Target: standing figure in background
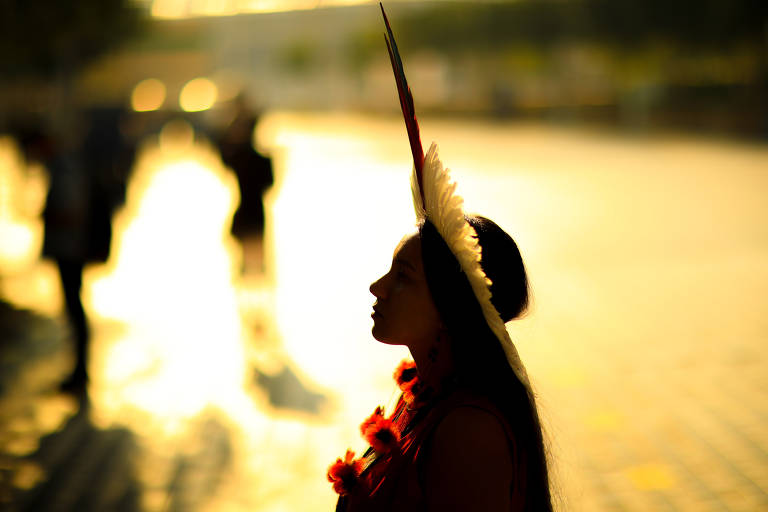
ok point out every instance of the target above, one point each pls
(254, 177)
(87, 183)
(66, 237)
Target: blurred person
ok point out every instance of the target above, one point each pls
(87, 183)
(254, 177)
(65, 221)
(465, 433)
(108, 154)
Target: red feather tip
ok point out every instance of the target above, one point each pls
(406, 102)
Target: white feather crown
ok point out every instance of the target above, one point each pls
(444, 208)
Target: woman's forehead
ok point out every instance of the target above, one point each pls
(409, 249)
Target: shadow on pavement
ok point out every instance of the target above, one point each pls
(285, 391)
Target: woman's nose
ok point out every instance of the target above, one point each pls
(377, 288)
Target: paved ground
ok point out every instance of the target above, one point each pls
(54, 457)
(661, 440)
(646, 342)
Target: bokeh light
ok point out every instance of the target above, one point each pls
(198, 94)
(148, 95)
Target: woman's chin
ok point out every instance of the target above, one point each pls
(382, 337)
(377, 335)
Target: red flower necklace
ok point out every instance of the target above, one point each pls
(344, 473)
(380, 432)
(407, 377)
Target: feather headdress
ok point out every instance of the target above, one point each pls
(435, 199)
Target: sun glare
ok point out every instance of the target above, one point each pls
(169, 281)
(22, 192)
(181, 352)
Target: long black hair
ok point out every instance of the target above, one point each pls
(480, 363)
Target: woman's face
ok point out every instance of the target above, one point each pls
(404, 313)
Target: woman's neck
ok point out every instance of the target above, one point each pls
(435, 365)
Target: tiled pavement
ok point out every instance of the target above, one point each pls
(648, 352)
(695, 447)
(683, 441)
(54, 457)
(671, 437)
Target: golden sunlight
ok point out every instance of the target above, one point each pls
(170, 9)
(178, 348)
(22, 193)
(645, 254)
(176, 137)
(169, 281)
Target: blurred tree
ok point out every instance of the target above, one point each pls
(684, 60)
(472, 28)
(46, 38)
(688, 23)
(299, 57)
(700, 23)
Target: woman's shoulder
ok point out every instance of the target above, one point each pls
(478, 431)
(469, 455)
(471, 422)
(471, 409)
(468, 427)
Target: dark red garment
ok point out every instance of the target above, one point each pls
(396, 481)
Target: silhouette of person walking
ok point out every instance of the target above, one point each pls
(254, 177)
(87, 184)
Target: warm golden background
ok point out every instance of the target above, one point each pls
(622, 143)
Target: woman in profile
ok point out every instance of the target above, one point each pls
(465, 433)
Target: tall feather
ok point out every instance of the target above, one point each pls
(406, 103)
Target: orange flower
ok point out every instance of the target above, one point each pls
(405, 373)
(381, 435)
(344, 473)
(378, 413)
(410, 391)
(407, 377)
